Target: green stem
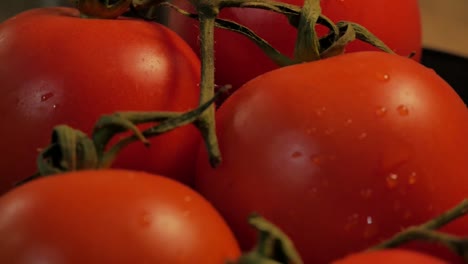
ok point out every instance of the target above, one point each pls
(206, 122)
(168, 124)
(307, 43)
(275, 55)
(273, 246)
(436, 223)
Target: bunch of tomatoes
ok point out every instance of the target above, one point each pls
(340, 153)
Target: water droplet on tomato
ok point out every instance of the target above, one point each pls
(382, 76)
(381, 111)
(348, 122)
(392, 180)
(369, 220)
(188, 198)
(412, 178)
(296, 154)
(46, 96)
(403, 110)
(55, 106)
(366, 193)
(362, 136)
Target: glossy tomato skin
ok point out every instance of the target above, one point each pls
(238, 59)
(58, 68)
(390, 256)
(111, 216)
(353, 147)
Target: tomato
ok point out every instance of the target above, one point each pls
(111, 216)
(58, 68)
(353, 147)
(238, 59)
(390, 256)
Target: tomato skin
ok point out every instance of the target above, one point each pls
(238, 59)
(57, 68)
(390, 256)
(111, 216)
(356, 147)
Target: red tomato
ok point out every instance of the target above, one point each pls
(391, 256)
(353, 147)
(111, 216)
(238, 59)
(58, 68)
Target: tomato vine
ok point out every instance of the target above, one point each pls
(71, 149)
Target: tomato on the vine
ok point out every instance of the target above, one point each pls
(238, 59)
(111, 216)
(390, 256)
(340, 153)
(56, 67)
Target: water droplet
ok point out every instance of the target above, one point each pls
(46, 96)
(362, 136)
(55, 106)
(188, 198)
(382, 76)
(348, 122)
(319, 112)
(392, 180)
(366, 193)
(381, 111)
(412, 178)
(403, 110)
(369, 220)
(296, 154)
